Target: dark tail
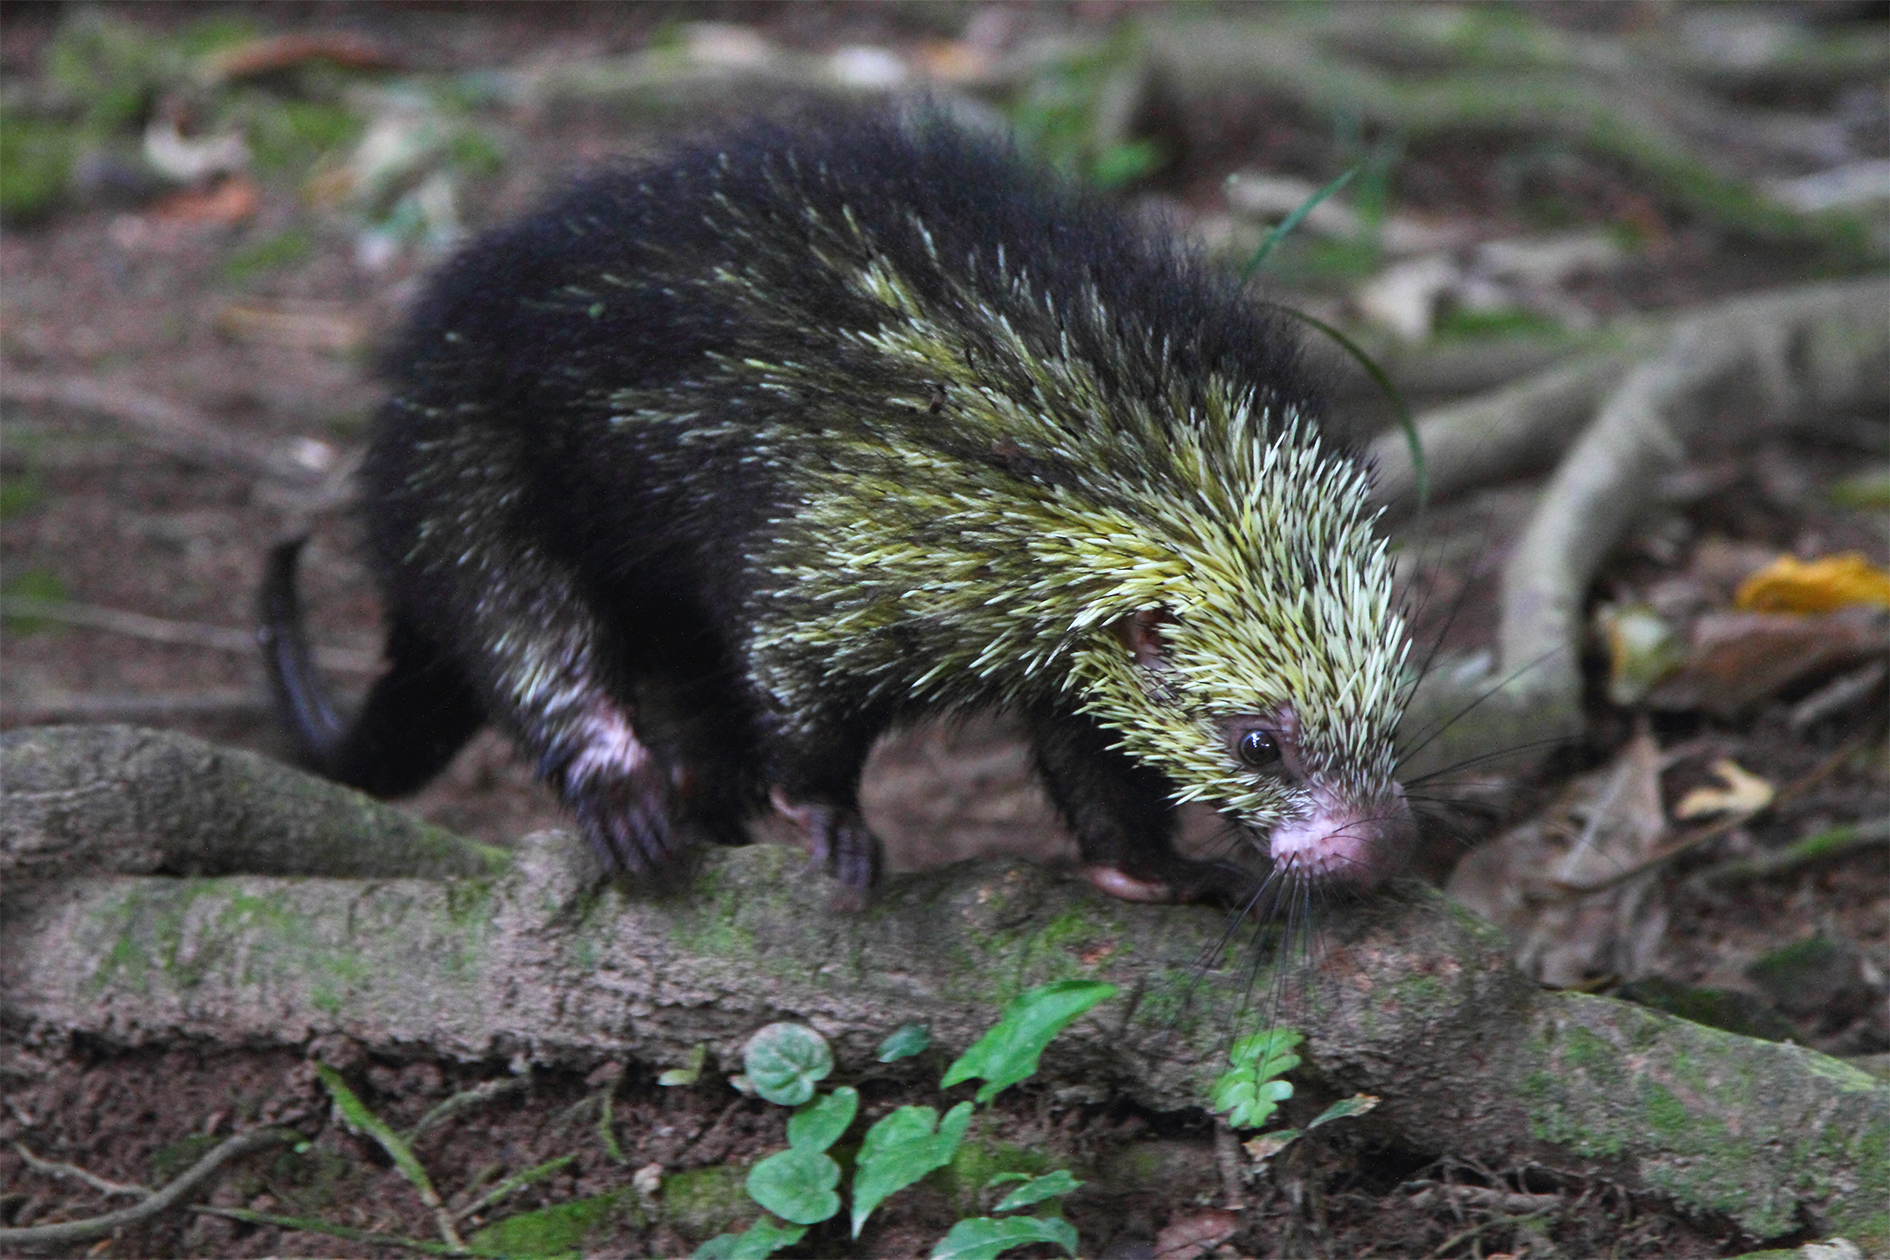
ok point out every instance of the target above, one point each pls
(416, 717)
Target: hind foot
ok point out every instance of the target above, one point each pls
(1177, 882)
(840, 844)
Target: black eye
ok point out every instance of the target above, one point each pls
(1258, 749)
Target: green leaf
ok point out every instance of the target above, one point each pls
(757, 1242)
(1122, 164)
(1248, 1092)
(689, 1073)
(1008, 1053)
(902, 1148)
(356, 1113)
(819, 1124)
(796, 1185)
(983, 1237)
(1037, 1189)
(1269, 1053)
(786, 1061)
(906, 1041)
(1292, 221)
(1356, 1105)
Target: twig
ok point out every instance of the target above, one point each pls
(517, 1181)
(158, 1202)
(164, 630)
(362, 1118)
(474, 1097)
(312, 1226)
(1451, 1244)
(176, 429)
(1830, 842)
(1228, 1156)
(58, 1168)
(156, 706)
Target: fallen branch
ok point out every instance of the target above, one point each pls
(72, 1172)
(1414, 1001)
(164, 630)
(175, 429)
(158, 707)
(1628, 116)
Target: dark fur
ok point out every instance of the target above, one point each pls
(510, 363)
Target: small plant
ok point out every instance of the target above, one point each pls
(1251, 1090)
(800, 1185)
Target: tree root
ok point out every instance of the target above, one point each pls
(158, 1202)
(1674, 138)
(123, 801)
(1413, 1000)
(1722, 376)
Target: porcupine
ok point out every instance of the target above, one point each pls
(703, 476)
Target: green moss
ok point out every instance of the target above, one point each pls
(703, 1202)
(716, 934)
(469, 900)
(33, 584)
(559, 1230)
(1665, 1113)
(1582, 1051)
(290, 136)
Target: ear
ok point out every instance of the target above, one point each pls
(1141, 633)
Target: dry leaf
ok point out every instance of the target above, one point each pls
(1741, 658)
(274, 53)
(1826, 584)
(231, 201)
(1743, 793)
(1192, 1236)
(1608, 822)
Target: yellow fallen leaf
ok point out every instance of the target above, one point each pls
(1743, 793)
(1789, 584)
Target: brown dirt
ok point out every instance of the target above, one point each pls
(128, 297)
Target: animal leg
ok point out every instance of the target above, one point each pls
(1123, 819)
(816, 777)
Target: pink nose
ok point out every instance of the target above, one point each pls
(1344, 842)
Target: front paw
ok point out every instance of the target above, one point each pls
(629, 820)
(624, 797)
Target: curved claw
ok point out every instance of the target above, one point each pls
(839, 841)
(624, 798)
(628, 823)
